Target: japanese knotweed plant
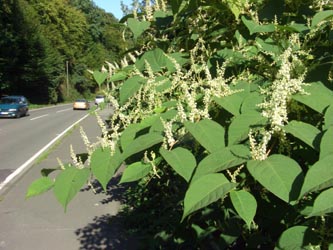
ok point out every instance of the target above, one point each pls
(216, 106)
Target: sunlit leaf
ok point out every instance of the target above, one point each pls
(103, 165)
(319, 176)
(318, 98)
(254, 27)
(231, 103)
(39, 186)
(240, 126)
(205, 191)
(181, 160)
(208, 133)
(305, 132)
(298, 237)
(321, 16)
(279, 174)
(68, 183)
(130, 87)
(326, 144)
(137, 27)
(328, 118)
(100, 77)
(245, 205)
(323, 204)
(135, 171)
(222, 159)
(141, 143)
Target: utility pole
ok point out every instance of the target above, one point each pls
(67, 81)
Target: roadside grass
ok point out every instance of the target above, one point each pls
(46, 154)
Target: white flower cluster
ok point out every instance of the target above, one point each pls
(259, 146)
(285, 85)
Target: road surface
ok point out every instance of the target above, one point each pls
(23, 140)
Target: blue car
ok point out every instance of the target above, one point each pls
(14, 106)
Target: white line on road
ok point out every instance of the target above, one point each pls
(28, 162)
(38, 117)
(63, 110)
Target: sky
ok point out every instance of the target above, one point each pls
(112, 6)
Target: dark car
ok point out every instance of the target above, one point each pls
(14, 106)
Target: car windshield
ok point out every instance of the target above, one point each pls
(8, 100)
(80, 100)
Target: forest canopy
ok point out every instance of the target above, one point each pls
(47, 47)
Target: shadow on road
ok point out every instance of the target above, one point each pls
(106, 231)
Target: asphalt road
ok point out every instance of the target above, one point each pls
(23, 139)
(91, 221)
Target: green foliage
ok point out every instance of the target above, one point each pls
(224, 123)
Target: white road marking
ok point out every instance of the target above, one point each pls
(34, 157)
(38, 117)
(63, 110)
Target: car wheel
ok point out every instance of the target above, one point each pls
(18, 115)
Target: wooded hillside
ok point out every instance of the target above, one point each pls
(40, 38)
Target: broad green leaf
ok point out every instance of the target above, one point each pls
(129, 88)
(137, 27)
(321, 16)
(103, 165)
(245, 205)
(250, 103)
(298, 237)
(253, 27)
(328, 118)
(118, 76)
(240, 126)
(129, 134)
(157, 59)
(268, 46)
(181, 160)
(68, 183)
(205, 191)
(208, 133)
(222, 159)
(323, 204)
(100, 77)
(231, 103)
(162, 83)
(135, 171)
(141, 143)
(319, 176)
(39, 186)
(326, 144)
(279, 174)
(319, 97)
(305, 132)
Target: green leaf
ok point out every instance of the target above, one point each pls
(319, 97)
(129, 134)
(326, 144)
(118, 76)
(158, 61)
(103, 165)
(231, 103)
(205, 191)
(250, 103)
(319, 176)
(298, 237)
(240, 126)
(245, 205)
(208, 133)
(68, 183)
(305, 132)
(279, 174)
(100, 77)
(181, 160)
(39, 186)
(321, 16)
(323, 204)
(141, 143)
(268, 46)
(222, 159)
(129, 88)
(253, 27)
(137, 27)
(135, 171)
(328, 118)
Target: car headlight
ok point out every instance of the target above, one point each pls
(12, 110)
